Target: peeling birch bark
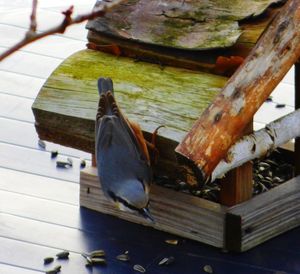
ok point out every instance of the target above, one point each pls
(223, 122)
(260, 143)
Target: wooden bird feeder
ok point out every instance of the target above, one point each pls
(169, 76)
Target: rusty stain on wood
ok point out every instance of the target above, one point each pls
(262, 70)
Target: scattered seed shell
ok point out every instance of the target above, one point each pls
(172, 242)
(62, 164)
(139, 268)
(123, 257)
(98, 261)
(48, 260)
(64, 255)
(82, 163)
(208, 269)
(167, 261)
(54, 154)
(280, 105)
(55, 270)
(97, 253)
(42, 144)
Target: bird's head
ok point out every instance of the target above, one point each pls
(133, 196)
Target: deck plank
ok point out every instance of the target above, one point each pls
(30, 64)
(36, 162)
(14, 129)
(15, 107)
(9, 269)
(20, 85)
(39, 186)
(53, 46)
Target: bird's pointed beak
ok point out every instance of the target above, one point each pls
(146, 214)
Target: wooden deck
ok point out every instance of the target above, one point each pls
(39, 203)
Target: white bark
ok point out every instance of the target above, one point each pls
(259, 143)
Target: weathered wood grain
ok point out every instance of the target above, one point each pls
(29, 139)
(263, 217)
(191, 59)
(187, 25)
(225, 119)
(36, 162)
(204, 221)
(65, 108)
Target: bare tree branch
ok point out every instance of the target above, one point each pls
(32, 35)
(33, 23)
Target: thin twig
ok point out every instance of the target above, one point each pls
(99, 10)
(33, 23)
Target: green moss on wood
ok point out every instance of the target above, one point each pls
(146, 93)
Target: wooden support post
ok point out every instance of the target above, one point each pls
(94, 163)
(224, 121)
(237, 186)
(297, 106)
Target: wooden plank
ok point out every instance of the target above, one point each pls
(251, 30)
(191, 25)
(268, 112)
(264, 216)
(36, 162)
(9, 269)
(39, 186)
(204, 221)
(47, 19)
(167, 97)
(231, 110)
(14, 129)
(52, 46)
(29, 257)
(30, 64)
(76, 241)
(15, 107)
(21, 85)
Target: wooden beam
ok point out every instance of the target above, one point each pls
(259, 143)
(173, 211)
(263, 217)
(297, 106)
(237, 185)
(224, 121)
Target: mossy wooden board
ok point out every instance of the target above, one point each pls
(65, 108)
(102, 39)
(180, 24)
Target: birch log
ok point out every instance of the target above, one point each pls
(260, 143)
(223, 122)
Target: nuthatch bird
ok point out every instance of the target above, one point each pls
(122, 156)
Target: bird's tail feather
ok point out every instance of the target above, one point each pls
(105, 85)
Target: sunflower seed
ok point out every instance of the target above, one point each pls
(139, 268)
(62, 164)
(48, 260)
(55, 270)
(208, 269)
(98, 261)
(123, 257)
(97, 253)
(172, 242)
(63, 255)
(167, 261)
